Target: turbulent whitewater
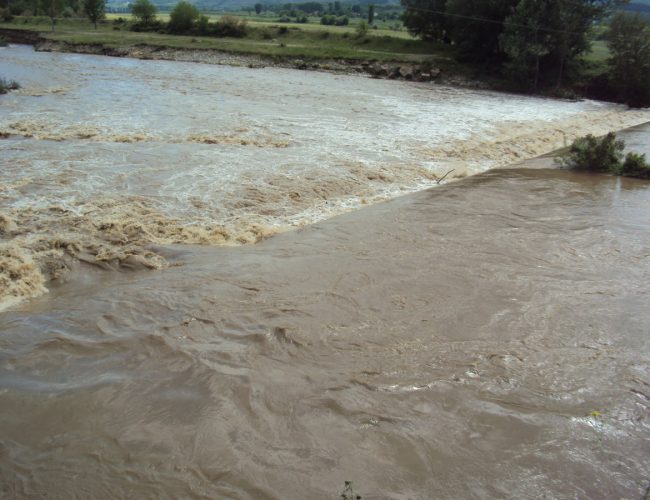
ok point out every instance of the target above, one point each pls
(101, 158)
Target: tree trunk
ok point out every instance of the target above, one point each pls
(560, 76)
(536, 64)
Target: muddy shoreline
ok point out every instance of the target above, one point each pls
(395, 70)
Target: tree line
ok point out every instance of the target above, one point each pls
(538, 44)
(94, 10)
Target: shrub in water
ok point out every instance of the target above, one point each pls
(7, 85)
(605, 155)
(635, 165)
(594, 154)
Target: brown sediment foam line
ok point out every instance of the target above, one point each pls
(97, 137)
(20, 276)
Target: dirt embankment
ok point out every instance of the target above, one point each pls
(21, 36)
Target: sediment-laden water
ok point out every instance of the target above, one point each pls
(102, 157)
(485, 338)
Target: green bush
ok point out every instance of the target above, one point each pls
(605, 155)
(183, 17)
(5, 15)
(144, 11)
(202, 26)
(332, 20)
(7, 85)
(635, 165)
(230, 26)
(151, 26)
(17, 7)
(594, 154)
(362, 29)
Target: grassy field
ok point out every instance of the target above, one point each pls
(265, 37)
(310, 41)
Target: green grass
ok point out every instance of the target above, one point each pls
(307, 41)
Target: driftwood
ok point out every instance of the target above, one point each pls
(443, 177)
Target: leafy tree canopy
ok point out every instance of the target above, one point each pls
(144, 11)
(95, 10)
(183, 16)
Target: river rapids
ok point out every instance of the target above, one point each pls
(214, 287)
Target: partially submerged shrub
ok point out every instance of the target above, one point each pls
(635, 165)
(605, 155)
(594, 154)
(7, 85)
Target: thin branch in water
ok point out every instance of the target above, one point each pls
(443, 177)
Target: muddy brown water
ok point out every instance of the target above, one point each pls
(102, 157)
(482, 339)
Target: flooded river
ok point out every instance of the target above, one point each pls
(484, 338)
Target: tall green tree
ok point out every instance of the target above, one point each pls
(95, 10)
(425, 18)
(475, 27)
(371, 13)
(572, 22)
(52, 9)
(183, 17)
(545, 38)
(526, 40)
(144, 11)
(629, 43)
(258, 8)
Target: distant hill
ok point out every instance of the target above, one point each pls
(641, 6)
